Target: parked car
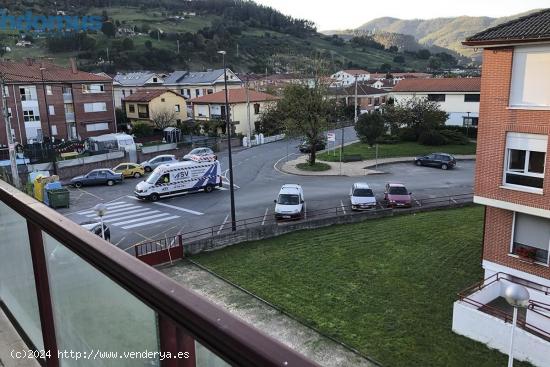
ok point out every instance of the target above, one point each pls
(290, 202)
(396, 195)
(441, 160)
(130, 170)
(200, 154)
(305, 146)
(100, 176)
(154, 162)
(95, 227)
(362, 197)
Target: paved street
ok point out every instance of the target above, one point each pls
(256, 186)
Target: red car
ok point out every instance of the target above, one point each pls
(396, 195)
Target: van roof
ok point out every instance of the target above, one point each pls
(290, 189)
(361, 185)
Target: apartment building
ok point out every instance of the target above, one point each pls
(46, 100)
(368, 98)
(459, 97)
(125, 84)
(511, 182)
(149, 105)
(193, 84)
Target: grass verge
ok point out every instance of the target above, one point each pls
(317, 167)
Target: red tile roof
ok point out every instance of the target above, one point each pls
(16, 72)
(439, 85)
(234, 96)
(147, 95)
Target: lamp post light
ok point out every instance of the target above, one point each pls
(100, 210)
(229, 129)
(518, 297)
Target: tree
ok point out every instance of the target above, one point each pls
(434, 63)
(400, 59)
(423, 54)
(148, 45)
(418, 114)
(385, 68)
(108, 28)
(370, 127)
(270, 122)
(127, 44)
(164, 118)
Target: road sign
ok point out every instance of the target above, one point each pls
(331, 136)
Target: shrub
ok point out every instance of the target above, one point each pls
(469, 132)
(142, 129)
(407, 134)
(432, 137)
(454, 137)
(388, 139)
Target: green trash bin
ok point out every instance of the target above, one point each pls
(59, 198)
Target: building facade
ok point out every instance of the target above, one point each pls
(459, 97)
(512, 161)
(126, 84)
(45, 100)
(149, 105)
(344, 78)
(193, 84)
(369, 98)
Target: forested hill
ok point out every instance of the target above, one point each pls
(170, 34)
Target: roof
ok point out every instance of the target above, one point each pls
(234, 96)
(196, 77)
(30, 72)
(355, 71)
(363, 89)
(534, 27)
(439, 85)
(147, 95)
(134, 79)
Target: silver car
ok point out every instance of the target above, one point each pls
(153, 163)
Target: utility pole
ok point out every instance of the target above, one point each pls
(178, 42)
(11, 144)
(355, 118)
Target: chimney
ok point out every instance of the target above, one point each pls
(74, 69)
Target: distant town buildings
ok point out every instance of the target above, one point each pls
(150, 105)
(369, 99)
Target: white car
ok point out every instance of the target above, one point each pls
(290, 203)
(362, 197)
(200, 154)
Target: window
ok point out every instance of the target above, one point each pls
(93, 88)
(54, 130)
(256, 108)
(95, 107)
(51, 110)
(436, 97)
(66, 90)
(370, 101)
(124, 93)
(197, 92)
(531, 237)
(9, 112)
(69, 108)
(530, 77)
(155, 80)
(49, 90)
(6, 91)
(177, 108)
(97, 126)
(131, 108)
(163, 100)
(27, 93)
(210, 91)
(471, 98)
(525, 161)
(30, 115)
(470, 121)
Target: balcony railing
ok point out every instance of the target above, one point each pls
(70, 291)
(67, 97)
(69, 116)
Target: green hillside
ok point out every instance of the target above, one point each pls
(257, 38)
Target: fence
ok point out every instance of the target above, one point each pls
(169, 248)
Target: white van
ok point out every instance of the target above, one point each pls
(290, 203)
(178, 178)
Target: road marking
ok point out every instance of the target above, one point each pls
(223, 224)
(92, 211)
(133, 211)
(454, 201)
(133, 197)
(89, 193)
(119, 206)
(343, 208)
(418, 202)
(228, 184)
(265, 216)
(180, 209)
(125, 215)
(223, 189)
(124, 221)
(119, 241)
(276, 163)
(151, 222)
(126, 209)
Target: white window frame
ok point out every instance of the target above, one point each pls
(520, 82)
(177, 108)
(511, 249)
(529, 143)
(95, 107)
(54, 130)
(93, 88)
(97, 126)
(51, 110)
(49, 90)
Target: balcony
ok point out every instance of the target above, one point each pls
(67, 97)
(482, 314)
(69, 117)
(66, 290)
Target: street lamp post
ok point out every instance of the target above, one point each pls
(48, 118)
(100, 210)
(228, 128)
(518, 297)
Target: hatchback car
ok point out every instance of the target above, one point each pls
(153, 163)
(130, 170)
(290, 203)
(200, 154)
(441, 160)
(362, 197)
(305, 146)
(396, 195)
(95, 227)
(97, 177)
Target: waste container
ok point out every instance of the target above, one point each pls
(59, 198)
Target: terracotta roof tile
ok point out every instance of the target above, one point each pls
(439, 85)
(234, 96)
(22, 72)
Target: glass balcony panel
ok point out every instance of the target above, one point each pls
(205, 358)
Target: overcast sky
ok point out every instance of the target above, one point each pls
(346, 14)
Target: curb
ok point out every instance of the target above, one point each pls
(409, 159)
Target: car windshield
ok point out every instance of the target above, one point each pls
(363, 193)
(153, 178)
(398, 190)
(196, 151)
(287, 199)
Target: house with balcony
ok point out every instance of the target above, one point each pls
(344, 78)
(459, 97)
(125, 84)
(245, 107)
(369, 98)
(46, 100)
(193, 84)
(150, 105)
(510, 181)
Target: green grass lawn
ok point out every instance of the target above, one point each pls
(405, 149)
(318, 166)
(385, 286)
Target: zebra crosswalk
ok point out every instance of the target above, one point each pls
(129, 215)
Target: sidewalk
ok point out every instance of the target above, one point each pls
(352, 169)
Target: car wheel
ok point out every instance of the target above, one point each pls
(209, 188)
(418, 163)
(148, 169)
(78, 185)
(110, 182)
(154, 197)
(444, 166)
(137, 175)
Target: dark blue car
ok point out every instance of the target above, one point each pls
(100, 176)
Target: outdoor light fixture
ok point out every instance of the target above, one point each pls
(518, 297)
(100, 210)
